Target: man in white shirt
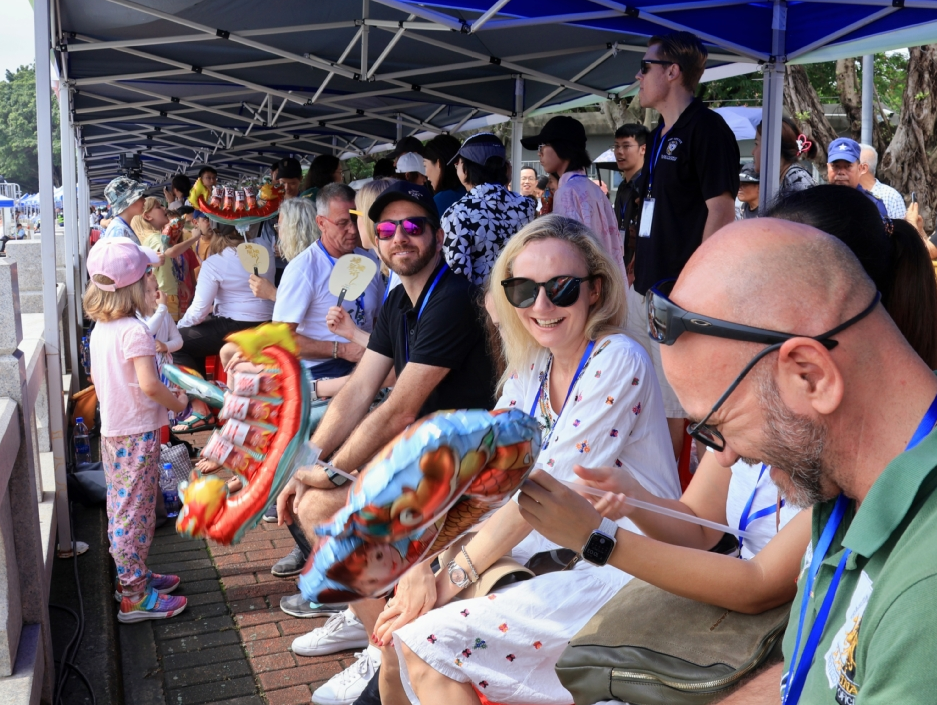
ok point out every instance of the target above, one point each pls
(868, 164)
(125, 198)
(303, 297)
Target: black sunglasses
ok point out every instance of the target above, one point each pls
(562, 291)
(666, 322)
(646, 64)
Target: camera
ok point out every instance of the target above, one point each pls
(131, 165)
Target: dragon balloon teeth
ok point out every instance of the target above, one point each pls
(260, 452)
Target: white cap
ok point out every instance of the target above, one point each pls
(411, 161)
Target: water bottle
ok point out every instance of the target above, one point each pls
(169, 487)
(82, 442)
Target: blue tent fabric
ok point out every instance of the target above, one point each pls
(6, 202)
(281, 78)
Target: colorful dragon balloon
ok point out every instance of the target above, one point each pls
(431, 484)
(268, 423)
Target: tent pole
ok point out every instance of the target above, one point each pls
(84, 227)
(773, 108)
(399, 128)
(517, 132)
(70, 211)
(868, 88)
(52, 342)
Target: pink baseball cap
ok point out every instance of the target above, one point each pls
(121, 260)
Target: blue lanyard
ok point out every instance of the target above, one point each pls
(747, 516)
(432, 287)
(386, 289)
(582, 365)
(797, 673)
(653, 164)
(360, 300)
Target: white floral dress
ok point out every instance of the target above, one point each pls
(507, 643)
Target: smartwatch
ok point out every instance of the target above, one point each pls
(600, 545)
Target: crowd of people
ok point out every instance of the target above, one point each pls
(793, 349)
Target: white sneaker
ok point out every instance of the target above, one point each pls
(341, 632)
(346, 687)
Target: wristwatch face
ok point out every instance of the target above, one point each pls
(598, 548)
(457, 576)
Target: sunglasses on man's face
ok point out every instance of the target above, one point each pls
(562, 291)
(646, 64)
(386, 229)
(666, 321)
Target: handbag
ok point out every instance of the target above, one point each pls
(647, 646)
(178, 457)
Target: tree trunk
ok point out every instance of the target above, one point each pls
(910, 162)
(850, 95)
(803, 103)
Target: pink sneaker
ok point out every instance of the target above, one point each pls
(151, 606)
(163, 584)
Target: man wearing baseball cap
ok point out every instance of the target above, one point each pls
(478, 224)
(749, 187)
(125, 199)
(430, 336)
(842, 168)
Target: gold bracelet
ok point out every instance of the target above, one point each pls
(334, 349)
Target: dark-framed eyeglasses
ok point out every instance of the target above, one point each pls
(666, 321)
(646, 64)
(386, 229)
(562, 291)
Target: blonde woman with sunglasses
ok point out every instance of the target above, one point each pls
(560, 301)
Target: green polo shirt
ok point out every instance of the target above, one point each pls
(880, 641)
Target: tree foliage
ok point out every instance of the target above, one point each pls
(19, 161)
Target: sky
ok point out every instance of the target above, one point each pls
(16, 35)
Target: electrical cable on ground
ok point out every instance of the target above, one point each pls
(67, 662)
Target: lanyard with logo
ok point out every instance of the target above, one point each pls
(360, 300)
(747, 516)
(647, 208)
(545, 380)
(797, 673)
(432, 287)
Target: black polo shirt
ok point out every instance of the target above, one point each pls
(699, 160)
(448, 334)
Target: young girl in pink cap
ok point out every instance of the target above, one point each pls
(133, 407)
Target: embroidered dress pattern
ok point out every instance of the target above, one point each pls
(477, 226)
(512, 643)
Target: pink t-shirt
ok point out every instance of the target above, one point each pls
(125, 409)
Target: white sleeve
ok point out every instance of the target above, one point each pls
(512, 395)
(152, 323)
(294, 295)
(205, 292)
(174, 341)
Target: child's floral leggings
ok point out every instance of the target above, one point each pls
(131, 470)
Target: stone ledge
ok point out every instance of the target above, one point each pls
(24, 686)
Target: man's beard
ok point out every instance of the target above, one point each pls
(794, 445)
(404, 269)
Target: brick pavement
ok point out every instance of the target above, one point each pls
(232, 643)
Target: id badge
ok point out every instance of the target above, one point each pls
(647, 217)
(623, 236)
